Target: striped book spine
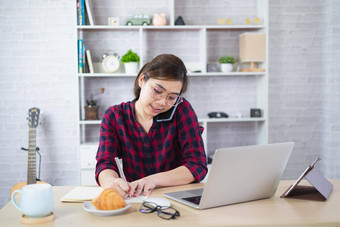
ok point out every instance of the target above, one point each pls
(80, 56)
(82, 12)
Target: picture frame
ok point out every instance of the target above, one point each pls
(255, 112)
(212, 67)
(113, 21)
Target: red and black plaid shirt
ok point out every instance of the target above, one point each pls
(168, 144)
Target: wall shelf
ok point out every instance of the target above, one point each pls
(202, 44)
(185, 27)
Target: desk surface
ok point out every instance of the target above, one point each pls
(274, 211)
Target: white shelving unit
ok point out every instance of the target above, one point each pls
(140, 34)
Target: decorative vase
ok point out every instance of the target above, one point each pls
(226, 67)
(131, 67)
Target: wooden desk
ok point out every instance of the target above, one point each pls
(268, 212)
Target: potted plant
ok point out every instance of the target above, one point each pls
(227, 63)
(130, 60)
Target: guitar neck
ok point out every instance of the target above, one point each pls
(31, 170)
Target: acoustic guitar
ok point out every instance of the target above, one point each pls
(33, 119)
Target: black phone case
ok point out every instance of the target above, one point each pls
(168, 115)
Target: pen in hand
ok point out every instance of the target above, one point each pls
(121, 172)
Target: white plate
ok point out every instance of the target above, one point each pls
(92, 209)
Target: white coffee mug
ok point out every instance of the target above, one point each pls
(36, 200)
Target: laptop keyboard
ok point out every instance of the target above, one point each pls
(194, 199)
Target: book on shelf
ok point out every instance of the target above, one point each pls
(86, 18)
(80, 56)
(81, 12)
(85, 66)
(78, 12)
(89, 11)
(89, 61)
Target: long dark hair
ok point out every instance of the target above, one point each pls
(163, 67)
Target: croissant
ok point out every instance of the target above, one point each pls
(109, 199)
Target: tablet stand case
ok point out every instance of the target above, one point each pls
(319, 191)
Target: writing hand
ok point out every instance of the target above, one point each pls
(120, 185)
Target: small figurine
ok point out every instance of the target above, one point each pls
(139, 19)
(159, 20)
(256, 20)
(179, 21)
(227, 21)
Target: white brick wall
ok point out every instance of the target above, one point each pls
(331, 90)
(37, 68)
(304, 82)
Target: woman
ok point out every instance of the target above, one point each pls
(156, 149)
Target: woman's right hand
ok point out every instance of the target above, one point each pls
(110, 179)
(120, 185)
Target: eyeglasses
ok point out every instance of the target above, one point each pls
(158, 93)
(166, 213)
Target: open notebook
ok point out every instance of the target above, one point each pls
(81, 194)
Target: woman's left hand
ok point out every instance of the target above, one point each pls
(144, 185)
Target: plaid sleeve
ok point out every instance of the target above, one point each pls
(191, 141)
(108, 145)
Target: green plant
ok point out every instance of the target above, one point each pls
(130, 56)
(227, 59)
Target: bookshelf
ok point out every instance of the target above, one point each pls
(199, 38)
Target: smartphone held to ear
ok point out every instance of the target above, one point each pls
(168, 115)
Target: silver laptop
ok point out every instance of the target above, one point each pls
(239, 174)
